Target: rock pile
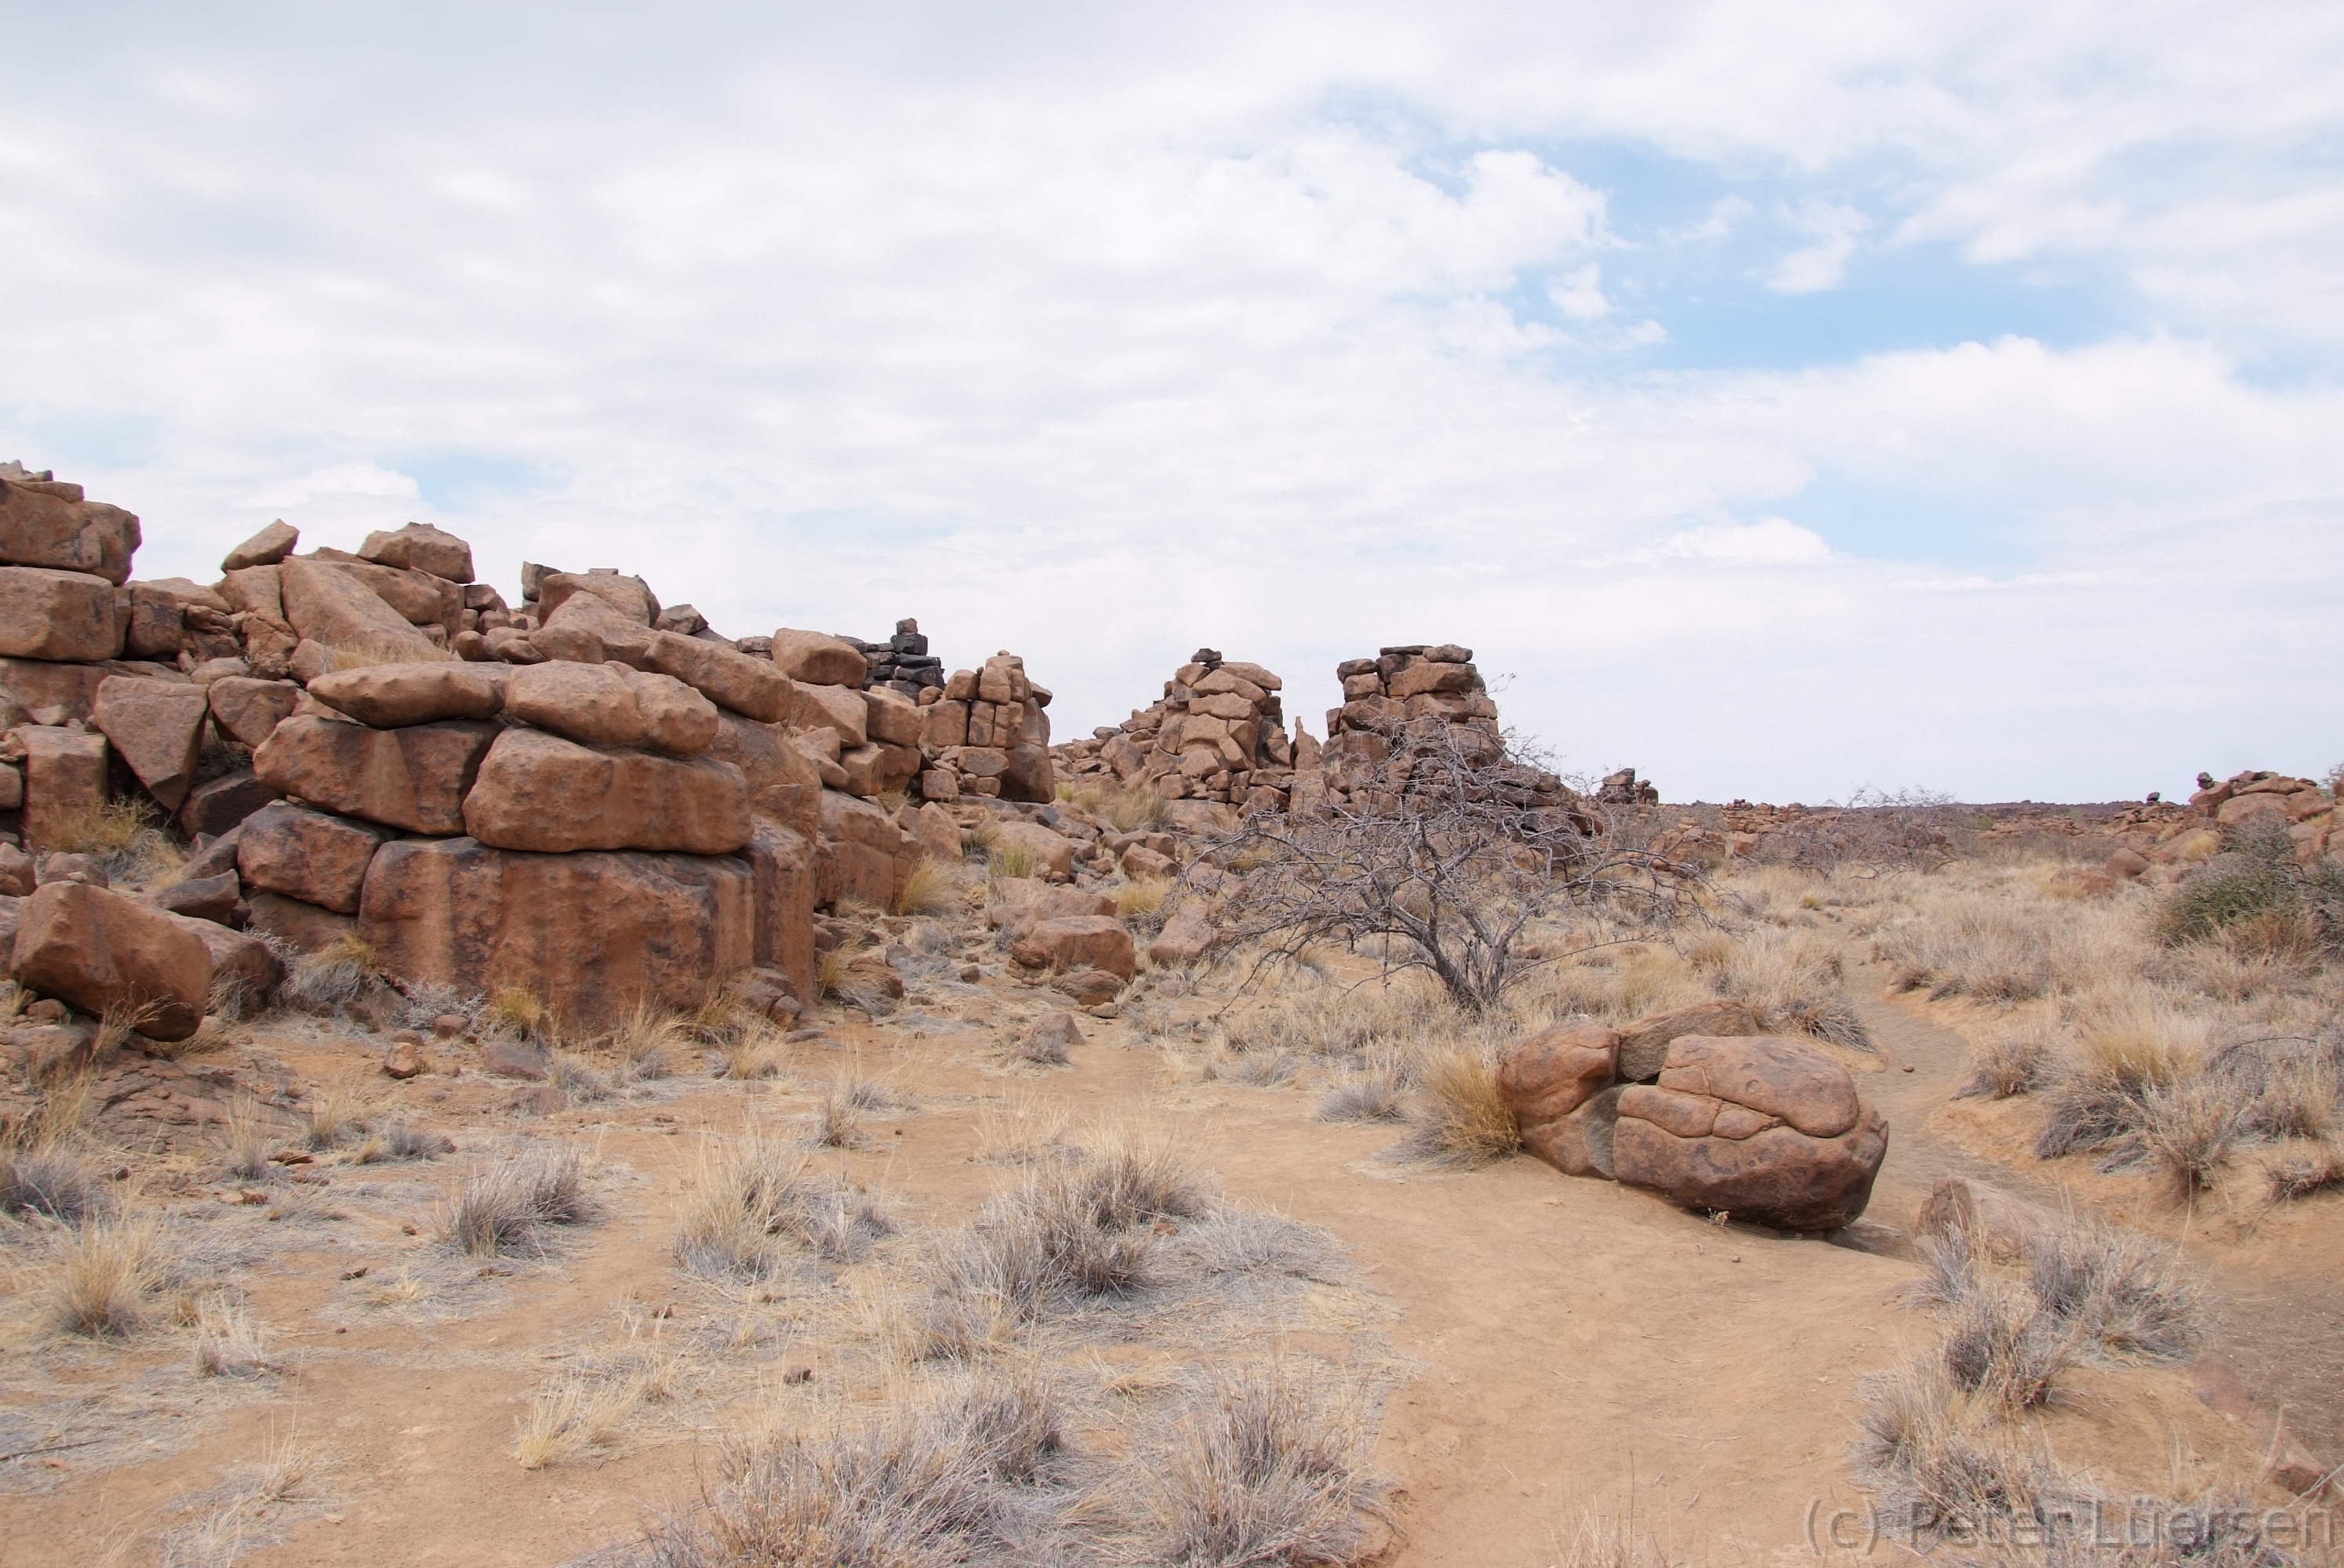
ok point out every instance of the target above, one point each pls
(902, 662)
(2306, 812)
(589, 794)
(1217, 736)
(986, 735)
(1696, 1105)
(1400, 707)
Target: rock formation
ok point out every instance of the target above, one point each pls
(1217, 736)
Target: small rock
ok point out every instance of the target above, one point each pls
(72, 868)
(449, 1025)
(48, 1010)
(403, 1061)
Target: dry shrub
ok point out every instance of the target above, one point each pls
(1142, 900)
(584, 1406)
(1266, 1465)
(51, 1179)
(756, 1051)
(1458, 1116)
(2187, 1132)
(962, 1478)
(754, 1207)
(333, 978)
(830, 973)
(2007, 943)
(1256, 1069)
(1134, 808)
(1077, 1230)
(652, 1040)
(577, 1079)
(400, 1140)
(845, 1106)
(1375, 1095)
(1938, 1455)
(931, 889)
(2005, 1347)
(2321, 1170)
(229, 1343)
(121, 837)
(2135, 1038)
(2123, 1296)
(509, 1207)
(2009, 1063)
(1791, 980)
(519, 1011)
(106, 1274)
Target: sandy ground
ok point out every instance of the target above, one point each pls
(1560, 1344)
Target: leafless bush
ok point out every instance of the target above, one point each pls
(1939, 1457)
(2009, 1063)
(1469, 846)
(2322, 1171)
(2005, 1347)
(49, 1179)
(400, 1140)
(1375, 1095)
(509, 1207)
(1876, 830)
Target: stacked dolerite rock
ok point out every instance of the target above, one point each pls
(902, 662)
(1698, 1106)
(985, 735)
(1215, 737)
(1624, 789)
(1399, 706)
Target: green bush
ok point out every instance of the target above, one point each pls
(2256, 878)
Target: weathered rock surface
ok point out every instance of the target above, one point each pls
(1082, 941)
(304, 928)
(329, 604)
(245, 972)
(1187, 937)
(307, 855)
(218, 804)
(394, 696)
(730, 679)
(1766, 1129)
(783, 783)
(250, 710)
(416, 778)
(61, 615)
(589, 933)
(1645, 1044)
(838, 709)
(157, 728)
(212, 897)
(815, 659)
(538, 791)
(782, 863)
(65, 782)
(860, 856)
(47, 523)
(72, 687)
(1549, 1076)
(612, 705)
(587, 630)
(419, 547)
(264, 548)
(629, 596)
(98, 949)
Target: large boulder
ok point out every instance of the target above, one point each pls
(586, 629)
(246, 971)
(1053, 854)
(1080, 941)
(630, 597)
(329, 604)
(725, 676)
(814, 658)
(304, 928)
(612, 705)
(419, 547)
(1766, 1129)
(157, 729)
(414, 779)
(394, 696)
(838, 709)
(591, 934)
(46, 523)
(1030, 777)
(307, 855)
(784, 783)
(264, 548)
(218, 804)
(783, 864)
(862, 857)
(1021, 903)
(894, 719)
(250, 710)
(539, 792)
(1645, 1044)
(158, 618)
(64, 782)
(61, 615)
(96, 949)
(38, 683)
(1546, 1078)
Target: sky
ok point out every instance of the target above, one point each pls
(1781, 400)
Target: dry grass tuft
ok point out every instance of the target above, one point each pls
(509, 1207)
(1459, 1117)
(1376, 1094)
(1011, 860)
(584, 1407)
(963, 1478)
(1143, 899)
(2321, 1170)
(333, 976)
(1602, 1540)
(517, 1011)
(229, 1343)
(248, 1140)
(1268, 1465)
(336, 1112)
(50, 1179)
(2122, 1296)
(1134, 808)
(106, 1274)
(2005, 1347)
(654, 1041)
(2187, 1132)
(400, 1140)
(754, 1207)
(931, 889)
(1940, 1458)
(2010, 1063)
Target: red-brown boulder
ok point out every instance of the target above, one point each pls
(1549, 1076)
(60, 616)
(48, 523)
(158, 729)
(538, 791)
(415, 777)
(1080, 941)
(307, 855)
(1645, 1044)
(395, 696)
(98, 949)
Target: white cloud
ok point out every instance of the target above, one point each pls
(1814, 268)
(1100, 335)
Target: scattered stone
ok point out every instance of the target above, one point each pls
(80, 869)
(304, 928)
(1088, 987)
(47, 523)
(403, 1061)
(514, 1059)
(813, 659)
(218, 804)
(419, 547)
(210, 898)
(250, 710)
